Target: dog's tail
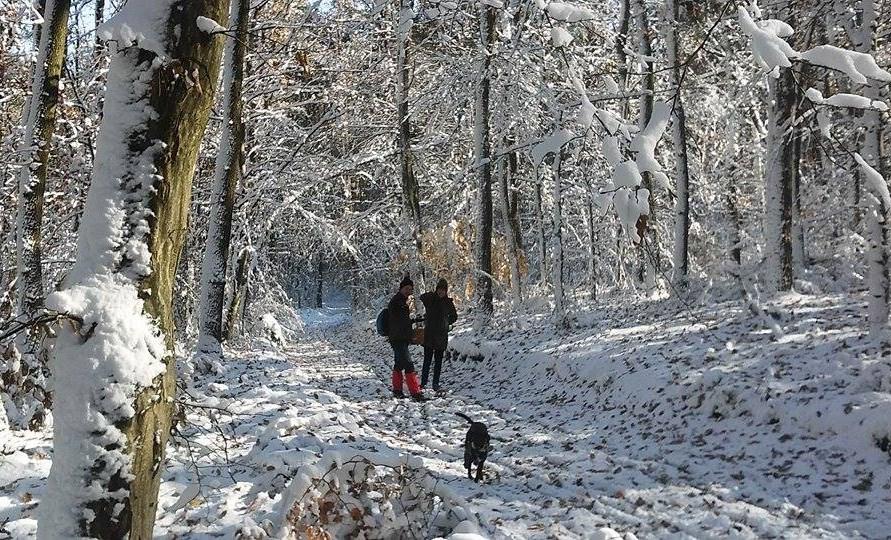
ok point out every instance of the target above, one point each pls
(464, 416)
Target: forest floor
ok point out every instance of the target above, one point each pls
(653, 420)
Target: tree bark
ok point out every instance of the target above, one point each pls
(680, 253)
(32, 396)
(557, 240)
(37, 142)
(239, 293)
(877, 216)
(780, 172)
(113, 416)
(482, 153)
(621, 46)
(410, 188)
(592, 250)
(98, 18)
(229, 167)
(510, 233)
(649, 251)
(540, 233)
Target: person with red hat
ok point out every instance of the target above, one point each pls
(400, 335)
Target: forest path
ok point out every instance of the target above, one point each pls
(544, 480)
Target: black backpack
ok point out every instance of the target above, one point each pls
(383, 323)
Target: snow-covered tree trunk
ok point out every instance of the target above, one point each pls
(32, 397)
(113, 412)
(239, 293)
(649, 245)
(227, 174)
(410, 189)
(680, 252)
(872, 168)
(482, 155)
(779, 181)
(508, 170)
(557, 241)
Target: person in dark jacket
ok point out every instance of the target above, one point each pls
(440, 315)
(400, 334)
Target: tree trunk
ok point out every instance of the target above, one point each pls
(410, 188)
(510, 234)
(483, 161)
(113, 413)
(98, 18)
(799, 250)
(37, 143)
(320, 282)
(649, 251)
(592, 250)
(540, 232)
(877, 217)
(557, 239)
(621, 46)
(228, 171)
(780, 172)
(239, 293)
(32, 396)
(680, 253)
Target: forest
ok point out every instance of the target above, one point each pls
(646, 243)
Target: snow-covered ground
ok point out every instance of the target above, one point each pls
(652, 419)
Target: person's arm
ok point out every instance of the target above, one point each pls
(453, 313)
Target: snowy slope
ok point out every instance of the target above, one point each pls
(638, 421)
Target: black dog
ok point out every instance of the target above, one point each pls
(476, 447)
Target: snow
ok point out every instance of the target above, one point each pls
(141, 23)
(570, 13)
(644, 420)
(853, 101)
(874, 180)
(560, 37)
(772, 52)
(645, 142)
(209, 26)
(769, 48)
(860, 67)
(551, 144)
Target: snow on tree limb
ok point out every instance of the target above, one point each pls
(874, 181)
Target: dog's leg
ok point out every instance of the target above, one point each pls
(479, 470)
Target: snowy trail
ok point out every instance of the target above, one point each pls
(578, 448)
(545, 480)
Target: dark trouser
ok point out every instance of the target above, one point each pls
(401, 359)
(429, 354)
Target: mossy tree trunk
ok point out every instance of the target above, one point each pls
(40, 122)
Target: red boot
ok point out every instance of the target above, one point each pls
(414, 386)
(397, 384)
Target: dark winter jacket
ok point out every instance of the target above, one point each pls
(440, 315)
(399, 329)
